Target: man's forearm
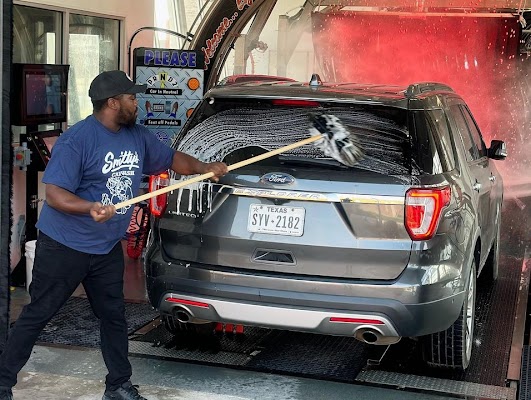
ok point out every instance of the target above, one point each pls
(187, 165)
(65, 201)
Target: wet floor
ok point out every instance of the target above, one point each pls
(74, 374)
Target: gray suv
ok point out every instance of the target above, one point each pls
(386, 249)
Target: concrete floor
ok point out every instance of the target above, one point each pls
(68, 374)
(61, 373)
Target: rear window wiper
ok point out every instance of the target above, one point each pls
(320, 162)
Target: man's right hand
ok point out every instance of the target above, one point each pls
(101, 213)
(217, 168)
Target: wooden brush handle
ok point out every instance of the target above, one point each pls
(208, 175)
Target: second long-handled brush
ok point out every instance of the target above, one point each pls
(326, 132)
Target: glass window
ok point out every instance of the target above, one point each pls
(36, 35)
(462, 126)
(276, 40)
(435, 151)
(474, 131)
(232, 130)
(93, 47)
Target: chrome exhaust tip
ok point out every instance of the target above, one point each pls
(374, 336)
(369, 337)
(182, 315)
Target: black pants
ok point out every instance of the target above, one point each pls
(57, 272)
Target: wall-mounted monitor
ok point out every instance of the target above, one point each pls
(39, 94)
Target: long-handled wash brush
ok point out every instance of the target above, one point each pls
(326, 132)
(335, 140)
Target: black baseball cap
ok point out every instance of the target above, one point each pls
(113, 83)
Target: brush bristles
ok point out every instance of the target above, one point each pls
(337, 141)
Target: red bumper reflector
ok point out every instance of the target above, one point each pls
(356, 320)
(187, 302)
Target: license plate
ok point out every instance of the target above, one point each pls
(278, 220)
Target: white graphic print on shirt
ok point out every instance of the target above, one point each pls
(119, 183)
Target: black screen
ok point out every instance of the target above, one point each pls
(43, 93)
(39, 94)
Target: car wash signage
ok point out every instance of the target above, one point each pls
(222, 18)
(174, 80)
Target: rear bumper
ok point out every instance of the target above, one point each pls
(331, 322)
(401, 309)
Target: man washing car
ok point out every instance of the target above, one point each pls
(95, 164)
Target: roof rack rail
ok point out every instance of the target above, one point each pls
(423, 87)
(246, 78)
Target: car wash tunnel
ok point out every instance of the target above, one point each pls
(370, 238)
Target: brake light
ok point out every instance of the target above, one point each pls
(157, 204)
(423, 211)
(295, 103)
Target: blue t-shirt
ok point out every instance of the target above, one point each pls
(97, 164)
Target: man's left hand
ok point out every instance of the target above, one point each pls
(101, 213)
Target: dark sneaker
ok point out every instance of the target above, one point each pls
(6, 394)
(125, 392)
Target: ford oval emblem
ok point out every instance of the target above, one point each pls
(278, 178)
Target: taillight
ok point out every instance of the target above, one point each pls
(423, 211)
(157, 204)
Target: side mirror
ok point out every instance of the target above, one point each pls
(497, 150)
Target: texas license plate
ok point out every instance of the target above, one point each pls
(278, 220)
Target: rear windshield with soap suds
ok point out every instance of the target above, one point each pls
(232, 131)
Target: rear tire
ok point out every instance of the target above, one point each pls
(452, 348)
